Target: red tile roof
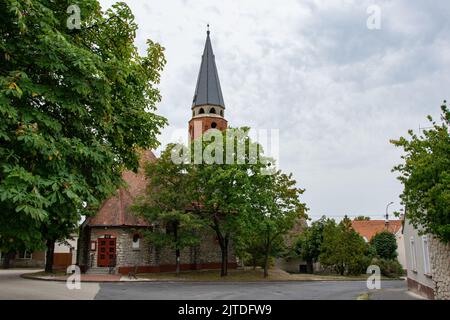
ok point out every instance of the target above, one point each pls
(115, 211)
(368, 229)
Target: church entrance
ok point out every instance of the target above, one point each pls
(106, 252)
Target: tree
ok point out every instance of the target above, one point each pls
(343, 248)
(165, 203)
(13, 237)
(221, 183)
(275, 208)
(362, 218)
(309, 243)
(425, 175)
(76, 106)
(385, 245)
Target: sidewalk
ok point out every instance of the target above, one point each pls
(83, 277)
(393, 294)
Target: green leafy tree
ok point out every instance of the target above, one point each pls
(425, 175)
(343, 249)
(13, 237)
(362, 218)
(385, 245)
(165, 206)
(221, 183)
(309, 243)
(76, 105)
(275, 208)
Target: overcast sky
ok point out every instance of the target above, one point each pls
(336, 90)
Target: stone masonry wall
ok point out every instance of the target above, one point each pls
(206, 254)
(440, 266)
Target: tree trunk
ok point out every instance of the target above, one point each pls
(49, 256)
(224, 248)
(266, 261)
(266, 265)
(177, 251)
(226, 255)
(266, 257)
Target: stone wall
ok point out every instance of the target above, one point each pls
(150, 259)
(440, 266)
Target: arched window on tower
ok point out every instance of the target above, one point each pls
(221, 113)
(212, 110)
(213, 125)
(201, 111)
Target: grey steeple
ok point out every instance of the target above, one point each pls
(208, 89)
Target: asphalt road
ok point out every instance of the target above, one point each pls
(12, 286)
(324, 290)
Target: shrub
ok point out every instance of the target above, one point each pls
(385, 245)
(389, 268)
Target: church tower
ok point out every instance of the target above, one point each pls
(208, 107)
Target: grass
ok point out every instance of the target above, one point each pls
(56, 273)
(246, 274)
(364, 296)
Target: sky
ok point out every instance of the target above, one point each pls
(336, 89)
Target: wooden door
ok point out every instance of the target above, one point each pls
(106, 252)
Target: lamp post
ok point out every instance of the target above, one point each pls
(387, 215)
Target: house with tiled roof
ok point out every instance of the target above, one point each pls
(369, 228)
(111, 240)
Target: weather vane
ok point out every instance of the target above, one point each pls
(207, 28)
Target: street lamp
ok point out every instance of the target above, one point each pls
(387, 215)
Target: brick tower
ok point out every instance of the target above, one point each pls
(208, 107)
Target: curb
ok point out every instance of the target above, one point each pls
(29, 277)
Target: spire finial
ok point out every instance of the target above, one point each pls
(207, 29)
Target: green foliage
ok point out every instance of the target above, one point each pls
(275, 208)
(425, 175)
(76, 105)
(221, 187)
(343, 249)
(231, 193)
(385, 245)
(362, 218)
(389, 267)
(309, 243)
(165, 203)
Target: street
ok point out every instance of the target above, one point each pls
(12, 286)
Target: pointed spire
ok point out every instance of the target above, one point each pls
(208, 89)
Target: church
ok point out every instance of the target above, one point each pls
(111, 239)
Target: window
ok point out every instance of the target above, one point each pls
(25, 255)
(221, 113)
(201, 111)
(136, 241)
(412, 249)
(212, 110)
(426, 255)
(213, 125)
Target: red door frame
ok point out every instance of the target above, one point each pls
(106, 252)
